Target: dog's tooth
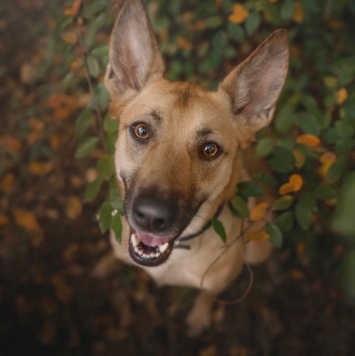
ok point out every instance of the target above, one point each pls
(135, 241)
(163, 248)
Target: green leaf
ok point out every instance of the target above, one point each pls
(105, 216)
(303, 210)
(93, 66)
(283, 202)
(287, 9)
(240, 206)
(264, 147)
(106, 167)
(285, 221)
(115, 196)
(219, 229)
(68, 81)
(83, 122)
(236, 32)
(283, 160)
(348, 273)
(309, 124)
(86, 147)
(284, 120)
(249, 189)
(252, 23)
(324, 192)
(214, 21)
(116, 226)
(337, 169)
(267, 179)
(276, 237)
(92, 190)
(110, 125)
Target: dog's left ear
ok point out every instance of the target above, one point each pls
(134, 57)
(255, 85)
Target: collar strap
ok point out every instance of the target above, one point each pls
(204, 228)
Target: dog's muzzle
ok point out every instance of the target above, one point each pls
(151, 240)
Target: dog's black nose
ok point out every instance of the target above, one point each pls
(152, 214)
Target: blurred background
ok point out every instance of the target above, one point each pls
(61, 290)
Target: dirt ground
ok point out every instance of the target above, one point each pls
(62, 292)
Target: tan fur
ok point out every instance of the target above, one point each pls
(181, 115)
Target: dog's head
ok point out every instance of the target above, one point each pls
(177, 153)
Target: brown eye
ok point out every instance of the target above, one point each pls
(141, 131)
(210, 150)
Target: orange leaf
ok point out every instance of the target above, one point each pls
(342, 95)
(257, 235)
(27, 220)
(74, 10)
(286, 188)
(40, 168)
(4, 220)
(296, 181)
(293, 185)
(7, 182)
(308, 140)
(298, 13)
(239, 14)
(183, 43)
(258, 212)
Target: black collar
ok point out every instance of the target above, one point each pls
(198, 233)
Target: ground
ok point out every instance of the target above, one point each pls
(62, 292)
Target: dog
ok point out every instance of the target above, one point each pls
(179, 158)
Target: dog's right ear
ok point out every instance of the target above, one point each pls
(134, 57)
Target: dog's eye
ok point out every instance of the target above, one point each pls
(140, 131)
(211, 150)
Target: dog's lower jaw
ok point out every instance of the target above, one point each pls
(149, 252)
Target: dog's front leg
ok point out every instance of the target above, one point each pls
(199, 317)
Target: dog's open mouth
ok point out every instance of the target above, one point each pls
(149, 250)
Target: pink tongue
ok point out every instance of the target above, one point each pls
(151, 240)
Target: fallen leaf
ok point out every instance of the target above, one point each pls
(257, 235)
(7, 182)
(308, 140)
(11, 144)
(26, 219)
(69, 37)
(74, 208)
(74, 10)
(258, 212)
(239, 14)
(40, 168)
(4, 220)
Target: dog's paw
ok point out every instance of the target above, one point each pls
(197, 323)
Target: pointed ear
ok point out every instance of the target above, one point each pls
(134, 57)
(255, 85)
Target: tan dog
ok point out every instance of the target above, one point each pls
(178, 157)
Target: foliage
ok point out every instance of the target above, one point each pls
(309, 148)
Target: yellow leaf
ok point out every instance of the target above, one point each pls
(27, 220)
(74, 208)
(239, 14)
(257, 235)
(296, 181)
(258, 212)
(299, 157)
(308, 140)
(69, 37)
(4, 220)
(342, 95)
(74, 10)
(298, 13)
(330, 81)
(327, 158)
(7, 182)
(40, 168)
